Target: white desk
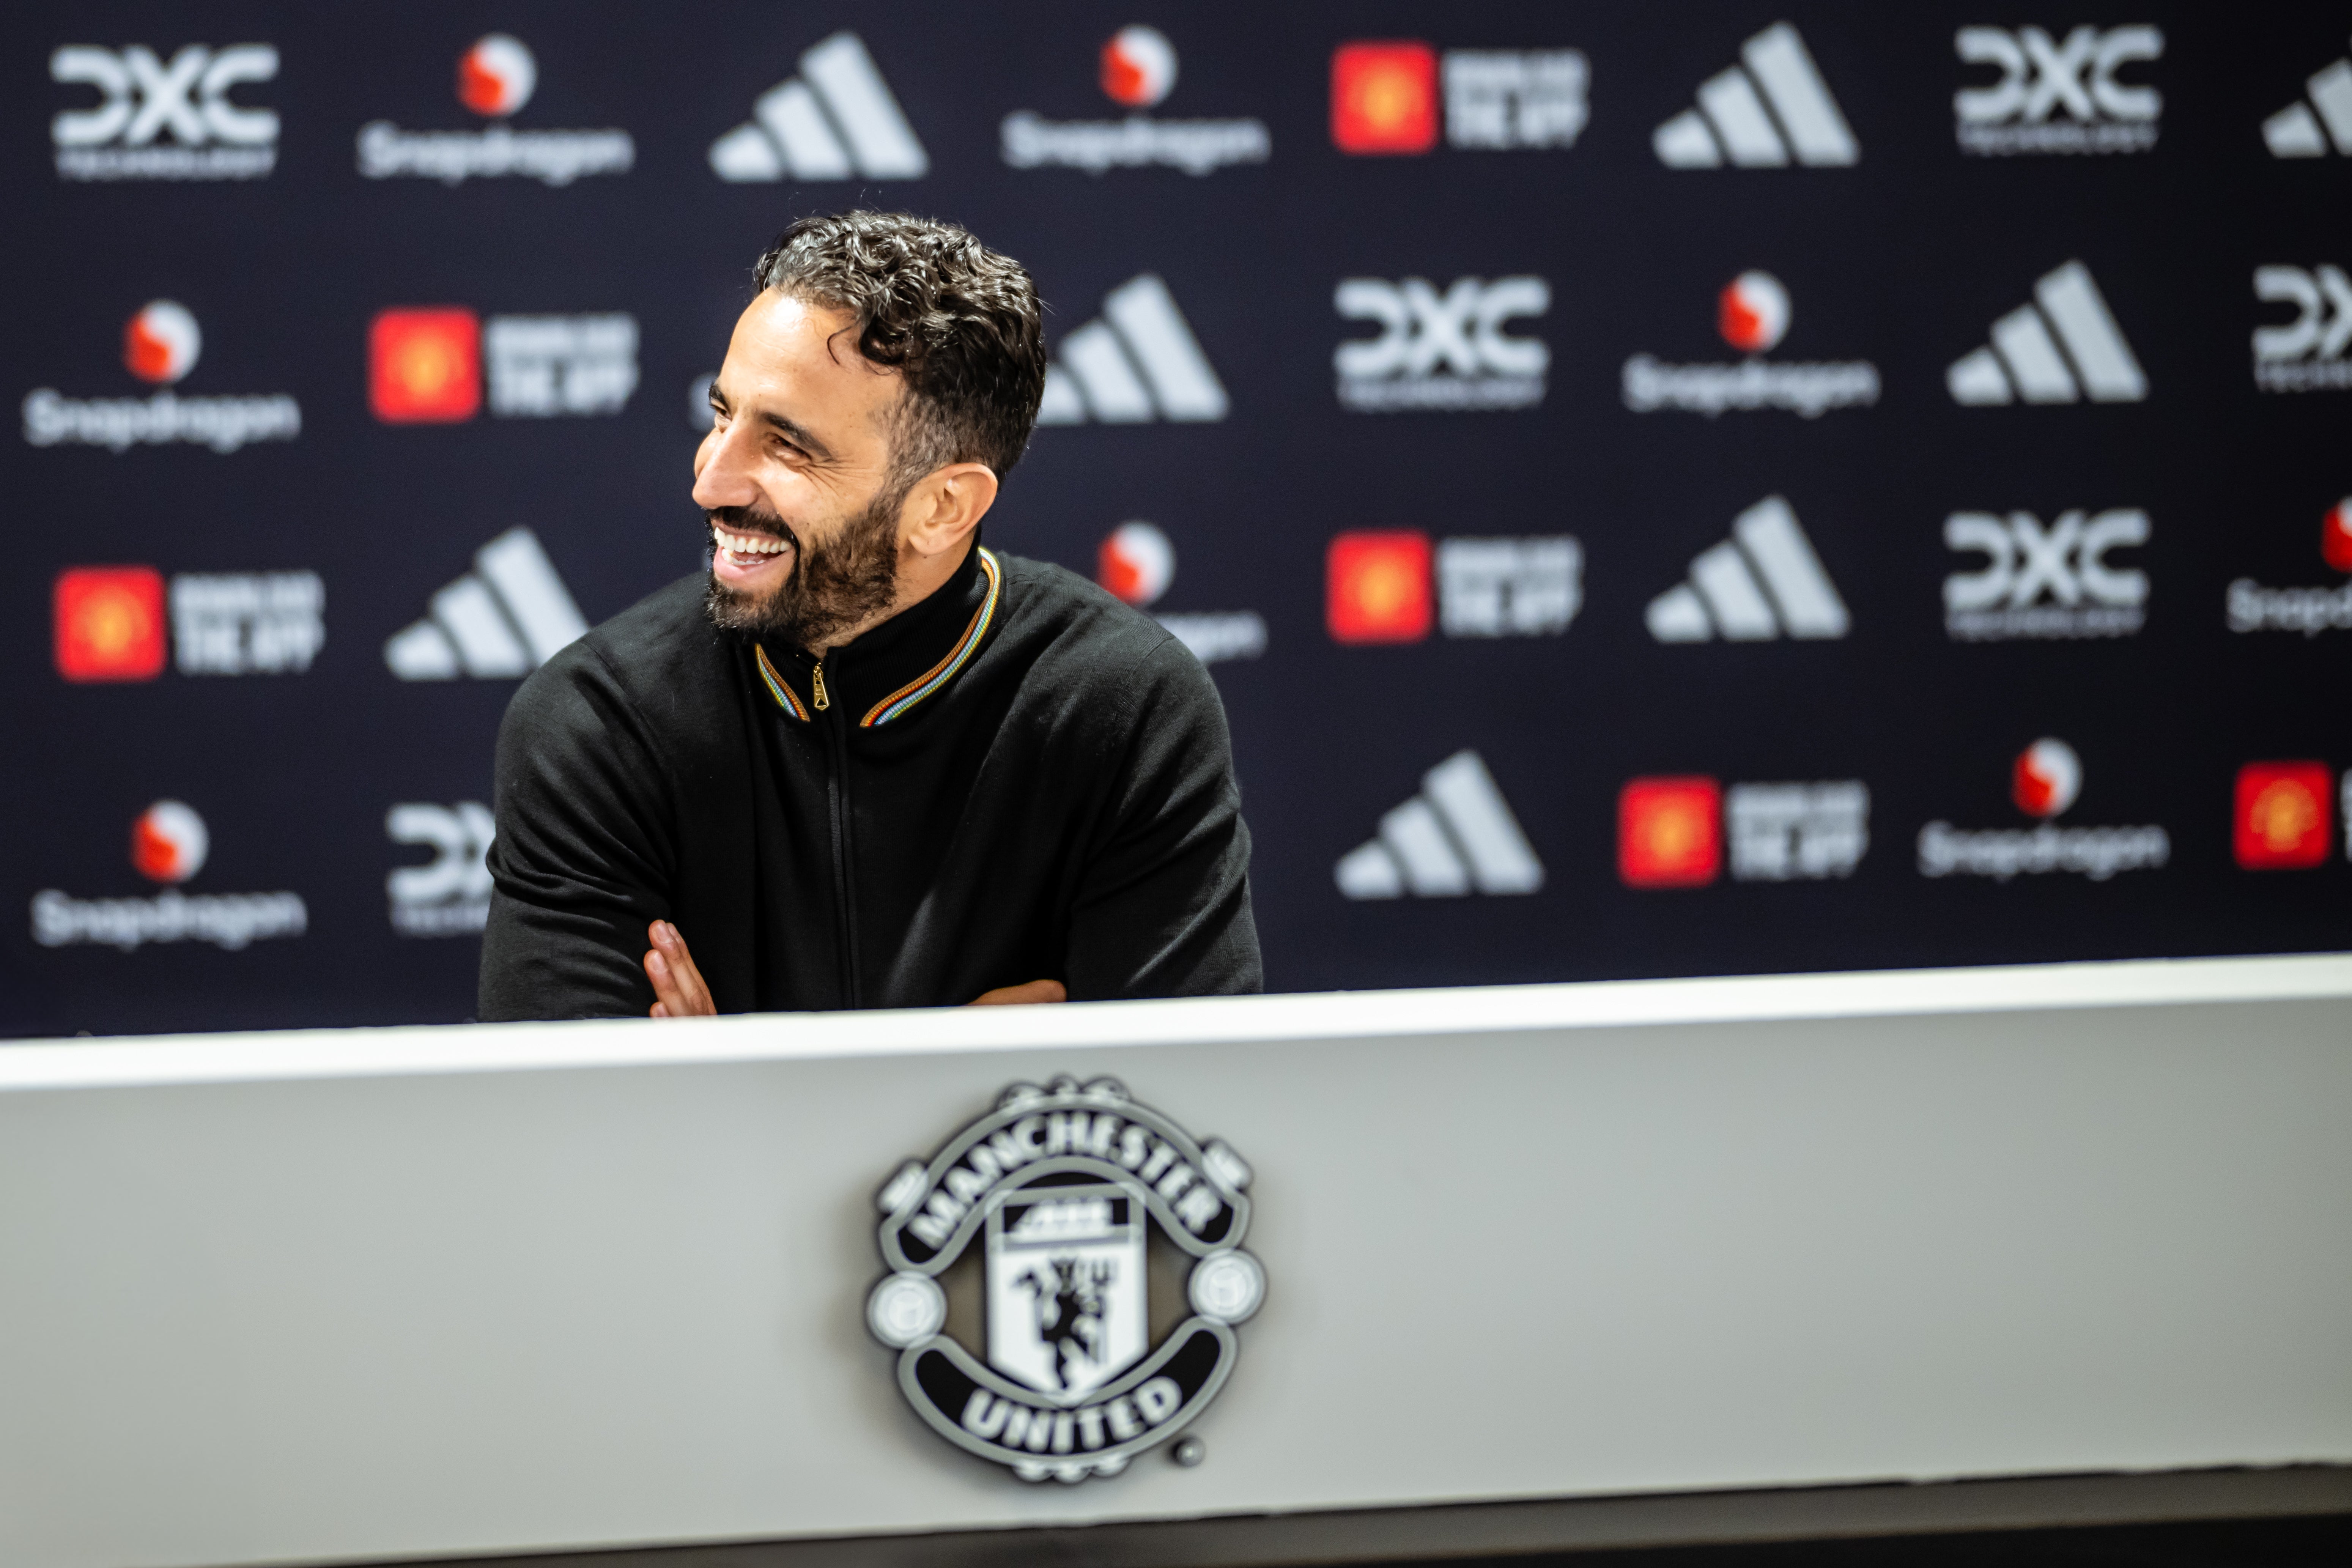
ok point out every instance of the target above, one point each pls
(383, 1294)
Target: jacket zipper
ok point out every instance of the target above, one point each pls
(844, 879)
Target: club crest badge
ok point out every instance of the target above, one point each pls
(1094, 1318)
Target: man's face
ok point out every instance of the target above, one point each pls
(791, 476)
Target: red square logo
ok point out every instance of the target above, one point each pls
(109, 622)
(2284, 820)
(1669, 831)
(1385, 97)
(1379, 586)
(424, 367)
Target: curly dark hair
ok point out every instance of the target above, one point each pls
(960, 322)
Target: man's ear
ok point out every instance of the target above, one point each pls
(944, 507)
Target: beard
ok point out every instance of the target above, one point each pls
(832, 587)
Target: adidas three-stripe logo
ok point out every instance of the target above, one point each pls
(1457, 835)
(1769, 110)
(2294, 131)
(506, 617)
(2025, 359)
(836, 121)
(1762, 582)
(1135, 362)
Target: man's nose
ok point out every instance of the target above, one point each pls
(724, 476)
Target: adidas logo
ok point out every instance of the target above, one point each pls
(1733, 120)
(2025, 361)
(2294, 131)
(836, 121)
(1136, 363)
(1762, 582)
(1457, 835)
(506, 617)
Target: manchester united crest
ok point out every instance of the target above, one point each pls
(1095, 1318)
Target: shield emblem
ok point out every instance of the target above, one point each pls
(1066, 1286)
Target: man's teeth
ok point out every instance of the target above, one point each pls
(749, 543)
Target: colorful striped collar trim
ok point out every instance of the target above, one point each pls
(776, 686)
(940, 674)
(923, 686)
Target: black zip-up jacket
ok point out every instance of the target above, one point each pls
(1019, 778)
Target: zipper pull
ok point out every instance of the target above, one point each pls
(822, 702)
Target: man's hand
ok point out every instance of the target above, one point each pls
(678, 990)
(679, 993)
(1015, 995)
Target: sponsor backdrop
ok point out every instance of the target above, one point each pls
(1797, 486)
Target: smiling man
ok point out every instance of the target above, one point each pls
(866, 760)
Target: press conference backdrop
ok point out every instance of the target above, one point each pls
(1759, 487)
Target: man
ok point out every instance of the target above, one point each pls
(867, 762)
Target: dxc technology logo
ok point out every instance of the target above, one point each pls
(1137, 562)
(1138, 70)
(2039, 582)
(142, 98)
(1733, 123)
(1385, 96)
(160, 345)
(1136, 362)
(836, 121)
(1444, 352)
(2054, 97)
(1753, 315)
(2305, 354)
(494, 78)
(448, 895)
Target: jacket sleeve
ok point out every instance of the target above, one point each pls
(584, 853)
(1163, 904)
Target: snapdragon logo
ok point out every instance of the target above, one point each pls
(2038, 583)
(1753, 313)
(164, 120)
(1137, 71)
(169, 844)
(1446, 351)
(1137, 562)
(2310, 611)
(160, 345)
(2305, 354)
(2043, 783)
(494, 78)
(449, 894)
(2057, 97)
